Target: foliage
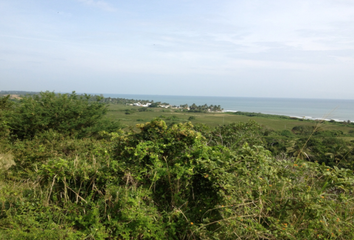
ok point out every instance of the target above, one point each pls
(253, 114)
(174, 181)
(154, 105)
(205, 108)
(130, 111)
(268, 199)
(303, 130)
(30, 153)
(69, 114)
(5, 105)
(144, 109)
(234, 135)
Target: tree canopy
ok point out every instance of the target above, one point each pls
(79, 115)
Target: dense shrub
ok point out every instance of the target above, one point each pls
(235, 135)
(170, 183)
(5, 105)
(71, 114)
(130, 111)
(65, 173)
(303, 130)
(144, 109)
(31, 153)
(286, 133)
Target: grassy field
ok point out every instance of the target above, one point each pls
(118, 111)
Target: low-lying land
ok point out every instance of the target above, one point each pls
(131, 115)
(72, 167)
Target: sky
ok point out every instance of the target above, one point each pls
(240, 48)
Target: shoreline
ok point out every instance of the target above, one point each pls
(292, 116)
(312, 109)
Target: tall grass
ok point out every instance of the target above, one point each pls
(168, 182)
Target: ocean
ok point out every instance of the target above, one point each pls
(328, 109)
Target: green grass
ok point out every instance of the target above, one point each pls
(117, 111)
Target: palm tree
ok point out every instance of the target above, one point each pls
(299, 150)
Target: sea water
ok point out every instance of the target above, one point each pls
(329, 109)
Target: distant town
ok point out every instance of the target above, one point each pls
(16, 95)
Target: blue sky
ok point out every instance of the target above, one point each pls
(250, 48)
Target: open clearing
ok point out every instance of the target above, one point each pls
(118, 111)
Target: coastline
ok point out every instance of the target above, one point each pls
(291, 116)
(312, 109)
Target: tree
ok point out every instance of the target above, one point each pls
(300, 149)
(5, 105)
(156, 104)
(235, 135)
(79, 115)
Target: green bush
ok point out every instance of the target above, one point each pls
(154, 104)
(130, 111)
(303, 130)
(286, 133)
(31, 153)
(235, 135)
(170, 182)
(144, 109)
(5, 105)
(79, 115)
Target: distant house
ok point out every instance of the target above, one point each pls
(138, 104)
(146, 105)
(165, 106)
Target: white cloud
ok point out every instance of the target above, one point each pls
(307, 25)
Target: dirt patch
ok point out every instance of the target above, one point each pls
(6, 161)
(15, 96)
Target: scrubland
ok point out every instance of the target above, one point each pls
(70, 170)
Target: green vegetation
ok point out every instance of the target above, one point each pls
(204, 108)
(64, 113)
(69, 171)
(213, 119)
(182, 107)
